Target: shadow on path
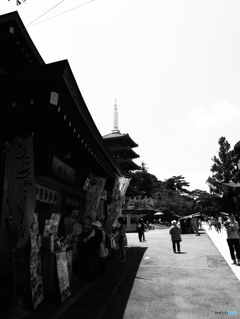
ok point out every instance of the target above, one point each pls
(116, 310)
(103, 295)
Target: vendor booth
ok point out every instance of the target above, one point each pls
(188, 223)
(53, 154)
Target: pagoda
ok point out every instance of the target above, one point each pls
(121, 147)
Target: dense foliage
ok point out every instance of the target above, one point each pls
(222, 168)
(225, 171)
(172, 196)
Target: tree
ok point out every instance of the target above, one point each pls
(222, 168)
(173, 198)
(146, 183)
(236, 162)
(205, 203)
(177, 183)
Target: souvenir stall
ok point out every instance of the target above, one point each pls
(188, 223)
(67, 150)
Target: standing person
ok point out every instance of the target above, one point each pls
(175, 233)
(232, 228)
(144, 229)
(122, 237)
(93, 242)
(140, 229)
(196, 227)
(218, 226)
(210, 224)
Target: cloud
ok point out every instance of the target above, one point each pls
(220, 113)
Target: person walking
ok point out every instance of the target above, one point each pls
(140, 229)
(232, 228)
(210, 223)
(218, 226)
(196, 227)
(122, 237)
(175, 233)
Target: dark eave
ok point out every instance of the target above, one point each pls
(126, 151)
(17, 50)
(131, 191)
(118, 137)
(58, 78)
(134, 176)
(127, 164)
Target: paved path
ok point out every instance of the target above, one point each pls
(198, 283)
(155, 283)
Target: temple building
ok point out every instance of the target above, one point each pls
(52, 154)
(121, 147)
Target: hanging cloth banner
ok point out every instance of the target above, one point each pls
(6, 242)
(35, 264)
(115, 210)
(21, 189)
(93, 196)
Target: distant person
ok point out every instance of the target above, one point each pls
(232, 228)
(140, 229)
(198, 226)
(175, 233)
(144, 230)
(218, 226)
(211, 223)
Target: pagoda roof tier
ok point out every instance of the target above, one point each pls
(131, 191)
(133, 176)
(126, 150)
(17, 48)
(117, 136)
(128, 164)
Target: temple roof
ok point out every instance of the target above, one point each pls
(25, 97)
(17, 48)
(128, 164)
(126, 150)
(117, 136)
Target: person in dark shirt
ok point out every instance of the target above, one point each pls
(141, 229)
(93, 241)
(175, 233)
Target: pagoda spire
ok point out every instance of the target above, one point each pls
(115, 118)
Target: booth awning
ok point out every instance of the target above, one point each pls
(191, 216)
(225, 214)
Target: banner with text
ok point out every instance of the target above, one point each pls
(6, 241)
(93, 196)
(35, 263)
(19, 197)
(115, 209)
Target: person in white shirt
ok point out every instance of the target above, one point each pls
(232, 228)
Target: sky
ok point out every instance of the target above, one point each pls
(173, 67)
